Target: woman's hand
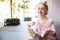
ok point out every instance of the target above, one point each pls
(28, 25)
(31, 32)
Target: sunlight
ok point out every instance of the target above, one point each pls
(4, 11)
(17, 11)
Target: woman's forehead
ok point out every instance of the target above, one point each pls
(41, 6)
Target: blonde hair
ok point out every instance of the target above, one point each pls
(45, 5)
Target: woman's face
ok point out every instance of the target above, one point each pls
(42, 10)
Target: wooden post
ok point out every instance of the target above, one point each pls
(11, 7)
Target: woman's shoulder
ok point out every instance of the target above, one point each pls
(50, 20)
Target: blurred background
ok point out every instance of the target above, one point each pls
(26, 12)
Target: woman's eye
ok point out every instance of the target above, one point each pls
(42, 8)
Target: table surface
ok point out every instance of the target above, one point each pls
(19, 32)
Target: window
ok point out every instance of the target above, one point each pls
(18, 8)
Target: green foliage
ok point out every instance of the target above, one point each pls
(25, 1)
(12, 19)
(2, 0)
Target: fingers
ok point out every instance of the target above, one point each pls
(29, 25)
(32, 33)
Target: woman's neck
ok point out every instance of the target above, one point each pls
(42, 18)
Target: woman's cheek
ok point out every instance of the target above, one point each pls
(38, 11)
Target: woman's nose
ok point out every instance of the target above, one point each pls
(39, 10)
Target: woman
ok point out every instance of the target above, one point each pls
(44, 28)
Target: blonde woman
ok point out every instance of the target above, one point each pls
(44, 28)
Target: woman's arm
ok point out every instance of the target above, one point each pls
(30, 30)
(50, 34)
(33, 34)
